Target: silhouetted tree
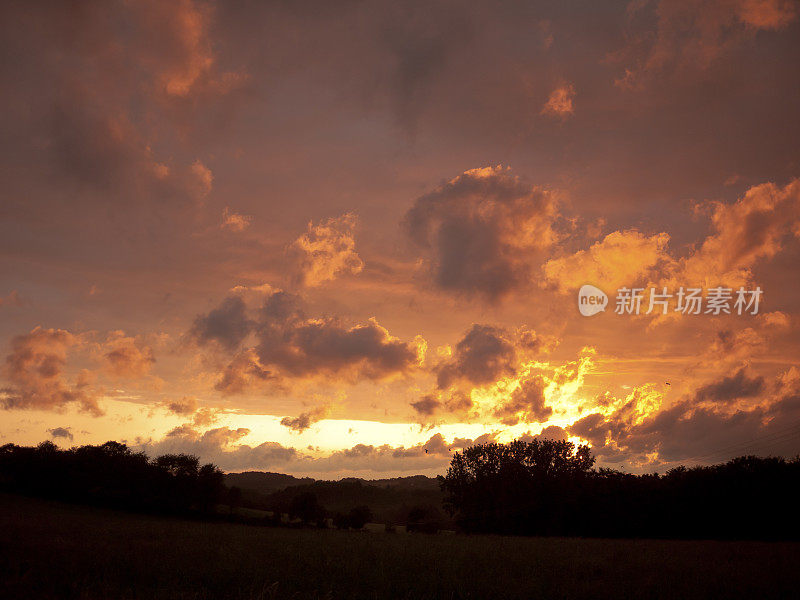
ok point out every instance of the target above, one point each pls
(341, 521)
(233, 498)
(306, 508)
(359, 516)
(548, 488)
(424, 519)
(515, 487)
(111, 475)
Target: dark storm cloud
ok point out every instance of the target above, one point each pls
(482, 231)
(483, 355)
(326, 346)
(290, 345)
(426, 406)
(732, 387)
(454, 401)
(227, 324)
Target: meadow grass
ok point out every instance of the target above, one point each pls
(51, 550)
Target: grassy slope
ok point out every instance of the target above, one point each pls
(49, 550)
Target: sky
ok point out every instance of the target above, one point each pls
(348, 238)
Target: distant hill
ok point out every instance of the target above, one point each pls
(263, 482)
(389, 499)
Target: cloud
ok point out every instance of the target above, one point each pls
(185, 406)
(703, 427)
(454, 402)
(483, 355)
(180, 55)
(290, 345)
(226, 325)
(692, 35)
(327, 347)
(189, 407)
(114, 90)
(767, 14)
(244, 372)
(127, 357)
(61, 432)
(777, 319)
(204, 178)
(306, 419)
(35, 371)
(426, 406)
(482, 231)
(527, 403)
(222, 447)
(560, 102)
(622, 258)
(487, 353)
(553, 432)
(503, 367)
(731, 387)
(756, 227)
(12, 299)
(233, 221)
(753, 228)
(729, 346)
(326, 251)
(204, 417)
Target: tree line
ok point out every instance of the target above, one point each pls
(542, 487)
(547, 487)
(112, 475)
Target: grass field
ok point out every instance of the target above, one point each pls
(49, 550)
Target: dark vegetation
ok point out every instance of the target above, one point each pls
(543, 487)
(263, 484)
(112, 475)
(390, 501)
(53, 550)
(547, 487)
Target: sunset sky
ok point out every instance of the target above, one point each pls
(347, 238)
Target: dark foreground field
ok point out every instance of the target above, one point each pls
(49, 550)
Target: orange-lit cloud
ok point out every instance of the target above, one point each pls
(560, 102)
(125, 356)
(35, 371)
(326, 251)
(691, 35)
(622, 258)
(753, 228)
(163, 161)
(234, 221)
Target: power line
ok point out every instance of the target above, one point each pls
(770, 438)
